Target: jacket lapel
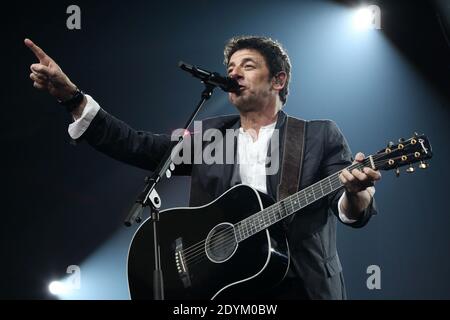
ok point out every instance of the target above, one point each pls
(273, 180)
(230, 171)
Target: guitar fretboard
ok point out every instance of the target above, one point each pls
(288, 206)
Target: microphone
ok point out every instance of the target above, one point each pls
(225, 83)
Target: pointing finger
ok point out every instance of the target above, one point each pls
(38, 52)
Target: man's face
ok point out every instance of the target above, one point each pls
(249, 68)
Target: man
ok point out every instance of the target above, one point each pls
(262, 69)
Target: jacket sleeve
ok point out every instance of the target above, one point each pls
(116, 139)
(337, 156)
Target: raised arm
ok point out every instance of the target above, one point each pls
(48, 76)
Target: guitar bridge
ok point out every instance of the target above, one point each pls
(180, 261)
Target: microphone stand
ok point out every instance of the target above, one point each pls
(149, 197)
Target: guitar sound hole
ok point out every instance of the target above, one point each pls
(221, 243)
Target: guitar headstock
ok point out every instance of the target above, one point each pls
(416, 149)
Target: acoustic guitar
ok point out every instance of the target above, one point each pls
(234, 246)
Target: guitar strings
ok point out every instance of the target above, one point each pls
(226, 239)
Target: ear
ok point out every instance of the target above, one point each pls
(279, 81)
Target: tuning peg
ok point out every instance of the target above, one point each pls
(423, 165)
(390, 144)
(397, 172)
(410, 169)
(172, 166)
(401, 140)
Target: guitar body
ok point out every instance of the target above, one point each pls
(218, 268)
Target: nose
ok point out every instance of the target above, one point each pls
(235, 74)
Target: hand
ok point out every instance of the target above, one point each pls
(357, 180)
(47, 75)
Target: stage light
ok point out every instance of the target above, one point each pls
(367, 18)
(58, 287)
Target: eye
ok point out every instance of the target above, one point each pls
(249, 66)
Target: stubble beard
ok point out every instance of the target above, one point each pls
(250, 103)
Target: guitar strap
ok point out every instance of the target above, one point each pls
(292, 162)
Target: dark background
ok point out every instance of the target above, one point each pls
(64, 205)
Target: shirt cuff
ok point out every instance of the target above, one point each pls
(342, 215)
(79, 126)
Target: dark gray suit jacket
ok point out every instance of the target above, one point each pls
(315, 270)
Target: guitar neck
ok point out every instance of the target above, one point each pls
(288, 206)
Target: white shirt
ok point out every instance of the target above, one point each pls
(79, 126)
(252, 157)
(251, 154)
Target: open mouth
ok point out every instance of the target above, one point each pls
(238, 92)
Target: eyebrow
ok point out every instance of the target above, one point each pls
(242, 62)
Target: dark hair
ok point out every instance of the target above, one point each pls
(273, 52)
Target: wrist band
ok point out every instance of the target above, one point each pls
(73, 102)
